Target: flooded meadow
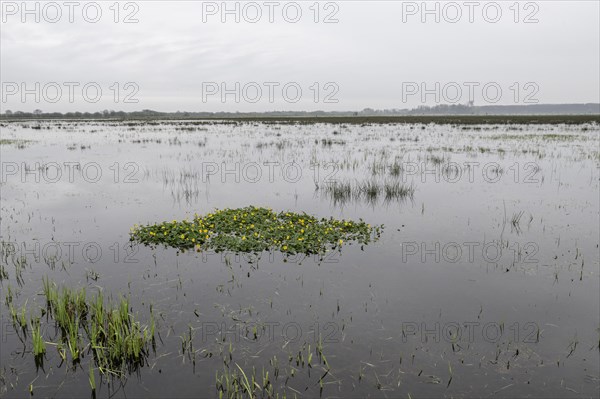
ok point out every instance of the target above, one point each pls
(448, 260)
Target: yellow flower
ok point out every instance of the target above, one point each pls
(193, 240)
(182, 236)
(284, 247)
(243, 237)
(207, 237)
(341, 242)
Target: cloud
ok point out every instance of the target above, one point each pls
(373, 49)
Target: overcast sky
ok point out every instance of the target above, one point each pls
(180, 55)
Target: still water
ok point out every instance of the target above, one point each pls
(483, 283)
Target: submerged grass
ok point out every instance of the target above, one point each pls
(369, 191)
(39, 345)
(253, 229)
(17, 142)
(277, 379)
(117, 341)
(534, 137)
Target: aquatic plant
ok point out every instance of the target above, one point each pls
(39, 345)
(116, 339)
(253, 229)
(369, 191)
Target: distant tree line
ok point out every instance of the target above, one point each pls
(441, 109)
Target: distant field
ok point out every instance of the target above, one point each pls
(359, 120)
(440, 120)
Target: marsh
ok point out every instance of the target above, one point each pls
(484, 280)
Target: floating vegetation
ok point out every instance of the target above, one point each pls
(255, 230)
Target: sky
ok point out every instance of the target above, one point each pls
(304, 55)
